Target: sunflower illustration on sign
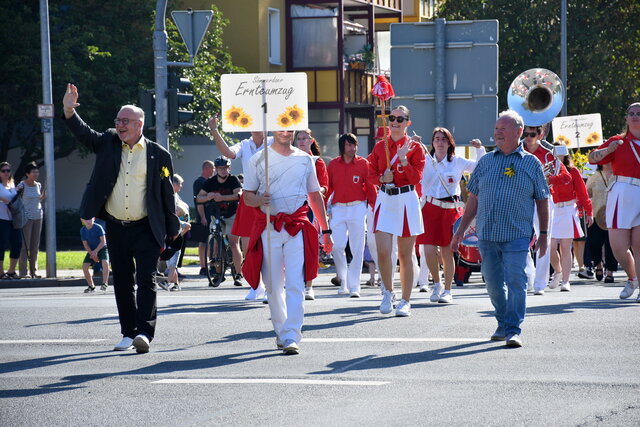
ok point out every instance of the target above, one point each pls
(510, 171)
(295, 113)
(233, 114)
(593, 138)
(244, 121)
(284, 120)
(563, 139)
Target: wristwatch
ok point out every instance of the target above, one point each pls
(327, 231)
(543, 231)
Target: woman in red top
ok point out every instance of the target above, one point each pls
(566, 224)
(304, 140)
(623, 200)
(397, 209)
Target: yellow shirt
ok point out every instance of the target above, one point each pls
(128, 200)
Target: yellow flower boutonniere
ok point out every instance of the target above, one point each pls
(164, 172)
(510, 171)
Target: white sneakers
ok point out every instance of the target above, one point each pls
(565, 287)
(343, 290)
(445, 297)
(424, 287)
(388, 298)
(403, 309)
(437, 290)
(256, 294)
(141, 343)
(555, 280)
(538, 292)
(291, 348)
(125, 344)
(309, 295)
(629, 288)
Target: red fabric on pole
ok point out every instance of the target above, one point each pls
(383, 89)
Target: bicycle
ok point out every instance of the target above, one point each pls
(218, 256)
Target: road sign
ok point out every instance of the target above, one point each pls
(45, 111)
(578, 131)
(192, 25)
(446, 73)
(47, 125)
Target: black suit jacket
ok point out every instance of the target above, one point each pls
(107, 146)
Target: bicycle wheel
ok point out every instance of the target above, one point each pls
(215, 263)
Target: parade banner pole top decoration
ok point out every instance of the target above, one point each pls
(279, 98)
(384, 91)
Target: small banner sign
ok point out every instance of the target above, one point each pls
(242, 102)
(578, 131)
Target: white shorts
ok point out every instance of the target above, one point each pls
(566, 224)
(623, 206)
(398, 214)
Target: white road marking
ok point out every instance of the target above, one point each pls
(306, 340)
(266, 381)
(54, 341)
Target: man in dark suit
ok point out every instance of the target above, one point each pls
(130, 188)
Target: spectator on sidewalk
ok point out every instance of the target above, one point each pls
(199, 231)
(95, 243)
(32, 197)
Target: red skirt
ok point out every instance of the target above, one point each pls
(245, 216)
(438, 225)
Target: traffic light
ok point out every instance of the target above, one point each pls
(177, 98)
(147, 101)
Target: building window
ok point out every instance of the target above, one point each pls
(274, 36)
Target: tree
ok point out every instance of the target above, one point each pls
(603, 67)
(106, 49)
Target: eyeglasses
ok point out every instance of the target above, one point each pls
(5, 170)
(399, 119)
(632, 113)
(123, 121)
(531, 134)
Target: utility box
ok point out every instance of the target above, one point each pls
(446, 73)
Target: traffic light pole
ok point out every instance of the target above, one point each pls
(160, 42)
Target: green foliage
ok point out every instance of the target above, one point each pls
(603, 65)
(212, 60)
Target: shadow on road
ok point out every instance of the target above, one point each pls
(566, 308)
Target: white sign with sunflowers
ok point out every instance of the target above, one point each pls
(578, 131)
(242, 104)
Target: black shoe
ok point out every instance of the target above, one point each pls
(599, 274)
(336, 281)
(608, 279)
(237, 279)
(203, 272)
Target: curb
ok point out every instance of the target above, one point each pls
(41, 283)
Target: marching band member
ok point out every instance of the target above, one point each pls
(566, 224)
(397, 210)
(532, 144)
(244, 216)
(348, 191)
(623, 201)
(293, 244)
(442, 207)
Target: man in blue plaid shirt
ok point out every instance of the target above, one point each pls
(503, 189)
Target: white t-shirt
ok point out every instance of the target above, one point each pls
(451, 172)
(245, 149)
(8, 194)
(291, 178)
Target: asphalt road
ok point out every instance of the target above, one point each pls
(214, 362)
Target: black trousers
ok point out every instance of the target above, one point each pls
(596, 238)
(134, 256)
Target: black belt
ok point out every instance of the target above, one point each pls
(124, 223)
(394, 191)
(450, 199)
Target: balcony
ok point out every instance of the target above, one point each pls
(357, 87)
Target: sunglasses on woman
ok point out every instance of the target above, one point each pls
(531, 134)
(399, 119)
(5, 170)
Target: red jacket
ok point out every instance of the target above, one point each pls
(563, 177)
(292, 224)
(623, 160)
(402, 175)
(348, 181)
(574, 190)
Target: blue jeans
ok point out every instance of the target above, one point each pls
(503, 267)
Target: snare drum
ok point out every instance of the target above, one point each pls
(470, 237)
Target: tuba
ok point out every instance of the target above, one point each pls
(538, 96)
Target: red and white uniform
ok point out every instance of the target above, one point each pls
(244, 215)
(397, 209)
(440, 211)
(348, 191)
(567, 198)
(623, 200)
(294, 241)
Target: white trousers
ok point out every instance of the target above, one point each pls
(538, 275)
(373, 247)
(286, 287)
(348, 224)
